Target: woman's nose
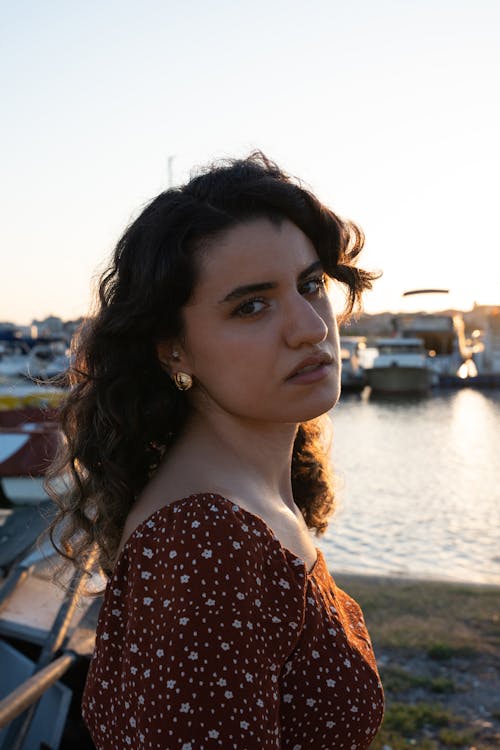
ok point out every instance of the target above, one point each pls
(304, 325)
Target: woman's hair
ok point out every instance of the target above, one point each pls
(122, 412)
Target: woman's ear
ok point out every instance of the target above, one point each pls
(170, 357)
(165, 353)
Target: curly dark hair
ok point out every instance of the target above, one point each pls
(122, 414)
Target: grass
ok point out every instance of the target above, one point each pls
(426, 726)
(445, 619)
(399, 680)
(405, 725)
(444, 651)
(407, 720)
(438, 646)
(442, 685)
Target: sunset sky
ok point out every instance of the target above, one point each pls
(388, 110)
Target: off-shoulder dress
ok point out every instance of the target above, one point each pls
(212, 634)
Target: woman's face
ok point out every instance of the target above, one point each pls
(259, 312)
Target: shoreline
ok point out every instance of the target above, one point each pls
(383, 578)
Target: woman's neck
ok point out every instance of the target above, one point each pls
(233, 456)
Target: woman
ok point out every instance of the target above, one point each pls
(194, 442)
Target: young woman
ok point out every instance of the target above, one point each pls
(199, 468)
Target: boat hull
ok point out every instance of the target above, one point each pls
(352, 384)
(397, 379)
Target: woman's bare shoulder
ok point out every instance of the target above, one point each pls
(153, 498)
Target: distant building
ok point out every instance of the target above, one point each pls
(51, 326)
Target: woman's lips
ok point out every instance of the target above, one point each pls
(310, 374)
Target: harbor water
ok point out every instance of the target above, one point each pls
(418, 486)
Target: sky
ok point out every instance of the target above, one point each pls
(389, 111)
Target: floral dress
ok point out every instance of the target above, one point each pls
(214, 635)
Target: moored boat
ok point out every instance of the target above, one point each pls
(29, 439)
(46, 640)
(401, 366)
(353, 373)
(443, 338)
(26, 452)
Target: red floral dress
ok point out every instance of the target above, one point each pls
(214, 635)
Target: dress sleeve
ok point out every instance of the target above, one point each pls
(204, 643)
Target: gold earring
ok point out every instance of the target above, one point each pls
(183, 381)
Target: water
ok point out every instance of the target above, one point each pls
(419, 490)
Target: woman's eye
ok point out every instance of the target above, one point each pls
(314, 286)
(250, 308)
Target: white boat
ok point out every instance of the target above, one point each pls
(443, 338)
(48, 359)
(487, 351)
(353, 373)
(401, 366)
(14, 357)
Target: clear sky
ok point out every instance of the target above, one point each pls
(389, 110)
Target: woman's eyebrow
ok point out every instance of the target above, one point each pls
(242, 291)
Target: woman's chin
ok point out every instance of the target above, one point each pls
(319, 407)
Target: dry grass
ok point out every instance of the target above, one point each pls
(438, 647)
(420, 615)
